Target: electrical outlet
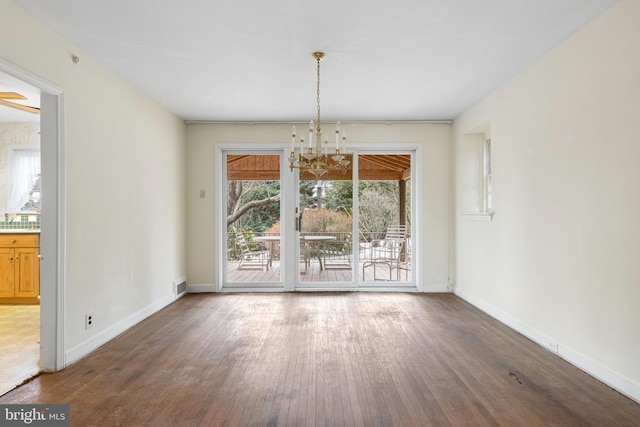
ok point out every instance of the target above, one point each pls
(88, 321)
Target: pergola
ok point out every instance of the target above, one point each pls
(371, 167)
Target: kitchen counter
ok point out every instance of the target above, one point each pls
(19, 231)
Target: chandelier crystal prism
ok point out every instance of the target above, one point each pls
(315, 159)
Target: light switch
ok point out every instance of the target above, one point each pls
(202, 194)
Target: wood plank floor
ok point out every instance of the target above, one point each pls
(326, 359)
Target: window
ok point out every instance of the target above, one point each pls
(23, 181)
(474, 176)
(487, 203)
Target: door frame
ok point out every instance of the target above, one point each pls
(414, 151)
(289, 241)
(287, 217)
(52, 217)
(329, 286)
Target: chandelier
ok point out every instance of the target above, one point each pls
(315, 159)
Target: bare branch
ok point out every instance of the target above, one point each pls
(251, 205)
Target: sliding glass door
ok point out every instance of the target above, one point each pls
(384, 213)
(349, 229)
(253, 218)
(326, 230)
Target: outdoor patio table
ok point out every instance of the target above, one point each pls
(272, 242)
(315, 241)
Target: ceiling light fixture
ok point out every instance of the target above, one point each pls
(315, 159)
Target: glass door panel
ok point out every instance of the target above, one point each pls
(350, 230)
(384, 214)
(253, 219)
(326, 230)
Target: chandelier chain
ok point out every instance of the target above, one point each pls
(318, 93)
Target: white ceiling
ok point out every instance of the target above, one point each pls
(250, 60)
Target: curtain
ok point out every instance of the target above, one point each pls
(24, 183)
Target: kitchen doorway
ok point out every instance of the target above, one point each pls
(20, 191)
(52, 229)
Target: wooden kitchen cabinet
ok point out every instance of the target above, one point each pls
(19, 268)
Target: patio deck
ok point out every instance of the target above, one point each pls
(313, 273)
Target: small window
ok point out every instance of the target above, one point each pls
(23, 180)
(486, 176)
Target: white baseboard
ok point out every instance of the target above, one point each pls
(436, 288)
(360, 289)
(253, 290)
(617, 381)
(77, 352)
(201, 288)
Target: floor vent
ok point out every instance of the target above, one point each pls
(180, 288)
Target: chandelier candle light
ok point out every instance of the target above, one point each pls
(316, 159)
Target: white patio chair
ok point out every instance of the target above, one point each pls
(337, 253)
(253, 255)
(387, 251)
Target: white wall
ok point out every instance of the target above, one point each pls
(433, 140)
(124, 185)
(559, 261)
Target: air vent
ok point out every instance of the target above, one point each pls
(179, 287)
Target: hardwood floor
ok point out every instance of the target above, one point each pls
(329, 359)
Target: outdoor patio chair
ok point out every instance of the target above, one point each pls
(388, 251)
(253, 254)
(337, 253)
(311, 250)
(404, 263)
(304, 255)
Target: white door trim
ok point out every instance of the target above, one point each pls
(286, 216)
(52, 234)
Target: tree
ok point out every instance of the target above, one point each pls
(339, 196)
(307, 199)
(254, 205)
(325, 221)
(378, 207)
(378, 202)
